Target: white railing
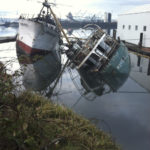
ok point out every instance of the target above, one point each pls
(28, 16)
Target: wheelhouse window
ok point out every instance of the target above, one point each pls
(129, 27)
(144, 28)
(136, 27)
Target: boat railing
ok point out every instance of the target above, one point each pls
(94, 51)
(27, 16)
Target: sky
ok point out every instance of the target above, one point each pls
(77, 7)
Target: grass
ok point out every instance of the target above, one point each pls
(32, 122)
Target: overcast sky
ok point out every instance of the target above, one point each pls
(75, 6)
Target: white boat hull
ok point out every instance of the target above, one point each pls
(37, 37)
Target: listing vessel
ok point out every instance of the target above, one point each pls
(100, 52)
(102, 59)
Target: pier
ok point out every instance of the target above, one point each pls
(106, 24)
(140, 51)
(7, 39)
(79, 24)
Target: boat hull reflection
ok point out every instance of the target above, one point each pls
(39, 71)
(111, 77)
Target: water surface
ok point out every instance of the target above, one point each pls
(124, 114)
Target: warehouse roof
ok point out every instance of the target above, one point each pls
(140, 9)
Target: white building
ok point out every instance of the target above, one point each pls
(134, 22)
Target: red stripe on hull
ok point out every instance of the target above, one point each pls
(29, 50)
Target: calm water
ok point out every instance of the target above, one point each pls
(124, 114)
(7, 31)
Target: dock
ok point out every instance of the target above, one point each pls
(143, 51)
(7, 39)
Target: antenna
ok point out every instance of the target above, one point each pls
(46, 3)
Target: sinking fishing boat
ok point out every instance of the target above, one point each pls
(102, 64)
(38, 35)
(102, 57)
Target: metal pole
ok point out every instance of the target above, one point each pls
(59, 26)
(40, 13)
(61, 29)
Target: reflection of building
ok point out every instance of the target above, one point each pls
(140, 73)
(134, 22)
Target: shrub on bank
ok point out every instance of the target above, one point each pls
(31, 122)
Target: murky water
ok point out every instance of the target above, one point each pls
(124, 114)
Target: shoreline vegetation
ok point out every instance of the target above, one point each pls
(32, 122)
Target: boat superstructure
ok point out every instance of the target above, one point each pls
(99, 52)
(102, 62)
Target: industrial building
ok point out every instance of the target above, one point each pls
(134, 22)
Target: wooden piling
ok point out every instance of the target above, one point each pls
(140, 46)
(119, 39)
(139, 61)
(108, 31)
(114, 34)
(148, 70)
(141, 40)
